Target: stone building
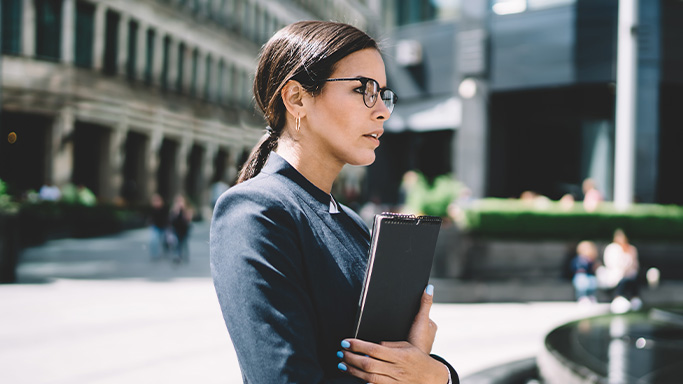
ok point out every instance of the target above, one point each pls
(133, 97)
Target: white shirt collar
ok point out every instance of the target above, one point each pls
(334, 206)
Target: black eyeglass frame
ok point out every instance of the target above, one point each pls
(380, 91)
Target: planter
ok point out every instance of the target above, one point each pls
(460, 255)
(9, 248)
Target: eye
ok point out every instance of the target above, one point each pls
(360, 90)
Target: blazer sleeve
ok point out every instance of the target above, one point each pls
(258, 275)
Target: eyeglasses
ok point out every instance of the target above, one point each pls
(370, 90)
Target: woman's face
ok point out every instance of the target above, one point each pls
(342, 129)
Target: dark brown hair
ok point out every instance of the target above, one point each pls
(306, 51)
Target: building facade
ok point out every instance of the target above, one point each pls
(135, 97)
(535, 84)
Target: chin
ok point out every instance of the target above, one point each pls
(364, 160)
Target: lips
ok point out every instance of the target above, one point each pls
(375, 135)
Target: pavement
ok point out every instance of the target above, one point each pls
(100, 311)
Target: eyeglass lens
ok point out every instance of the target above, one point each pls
(372, 90)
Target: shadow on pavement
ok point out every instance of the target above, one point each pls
(121, 256)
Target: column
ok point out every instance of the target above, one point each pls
(141, 59)
(68, 30)
(210, 150)
(234, 166)
(117, 144)
(28, 29)
(158, 58)
(98, 41)
(152, 155)
(181, 164)
(624, 156)
(201, 74)
(123, 44)
(471, 138)
(62, 146)
(172, 75)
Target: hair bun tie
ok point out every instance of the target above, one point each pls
(269, 130)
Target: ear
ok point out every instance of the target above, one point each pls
(293, 94)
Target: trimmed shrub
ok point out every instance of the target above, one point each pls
(548, 220)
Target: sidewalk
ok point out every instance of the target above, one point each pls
(99, 311)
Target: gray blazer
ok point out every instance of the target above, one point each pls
(288, 275)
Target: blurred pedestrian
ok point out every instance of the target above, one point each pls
(181, 217)
(583, 267)
(591, 195)
(621, 264)
(287, 259)
(158, 224)
(49, 192)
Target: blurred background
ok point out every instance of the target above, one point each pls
(528, 125)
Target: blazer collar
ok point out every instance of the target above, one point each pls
(276, 164)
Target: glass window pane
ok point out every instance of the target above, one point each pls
(165, 62)
(149, 62)
(111, 42)
(181, 67)
(132, 49)
(11, 26)
(48, 29)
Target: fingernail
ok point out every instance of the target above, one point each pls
(342, 366)
(430, 290)
(345, 344)
(340, 354)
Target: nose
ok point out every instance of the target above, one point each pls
(383, 112)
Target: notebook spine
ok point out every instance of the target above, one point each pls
(409, 218)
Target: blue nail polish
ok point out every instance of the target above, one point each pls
(345, 344)
(342, 366)
(430, 290)
(340, 354)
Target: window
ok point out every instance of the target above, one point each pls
(111, 42)
(11, 26)
(132, 49)
(48, 29)
(193, 78)
(85, 27)
(208, 95)
(149, 59)
(221, 82)
(181, 67)
(165, 62)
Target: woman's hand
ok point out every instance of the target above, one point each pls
(423, 331)
(398, 362)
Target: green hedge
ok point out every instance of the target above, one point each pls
(547, 220)
(45, 220)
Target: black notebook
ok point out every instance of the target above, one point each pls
(399, 264)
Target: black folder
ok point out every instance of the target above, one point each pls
(399, 264)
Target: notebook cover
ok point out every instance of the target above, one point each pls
(399, 264)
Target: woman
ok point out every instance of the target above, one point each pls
(288, 260)
(621, 264)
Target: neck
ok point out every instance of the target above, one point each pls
(320, 171)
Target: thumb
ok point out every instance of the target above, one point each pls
(423, 330)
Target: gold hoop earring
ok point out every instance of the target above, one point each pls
(297, 124)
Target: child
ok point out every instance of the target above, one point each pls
(583, 267)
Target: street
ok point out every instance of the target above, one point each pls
(99, 311)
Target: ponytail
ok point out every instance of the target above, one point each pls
(258, 156)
